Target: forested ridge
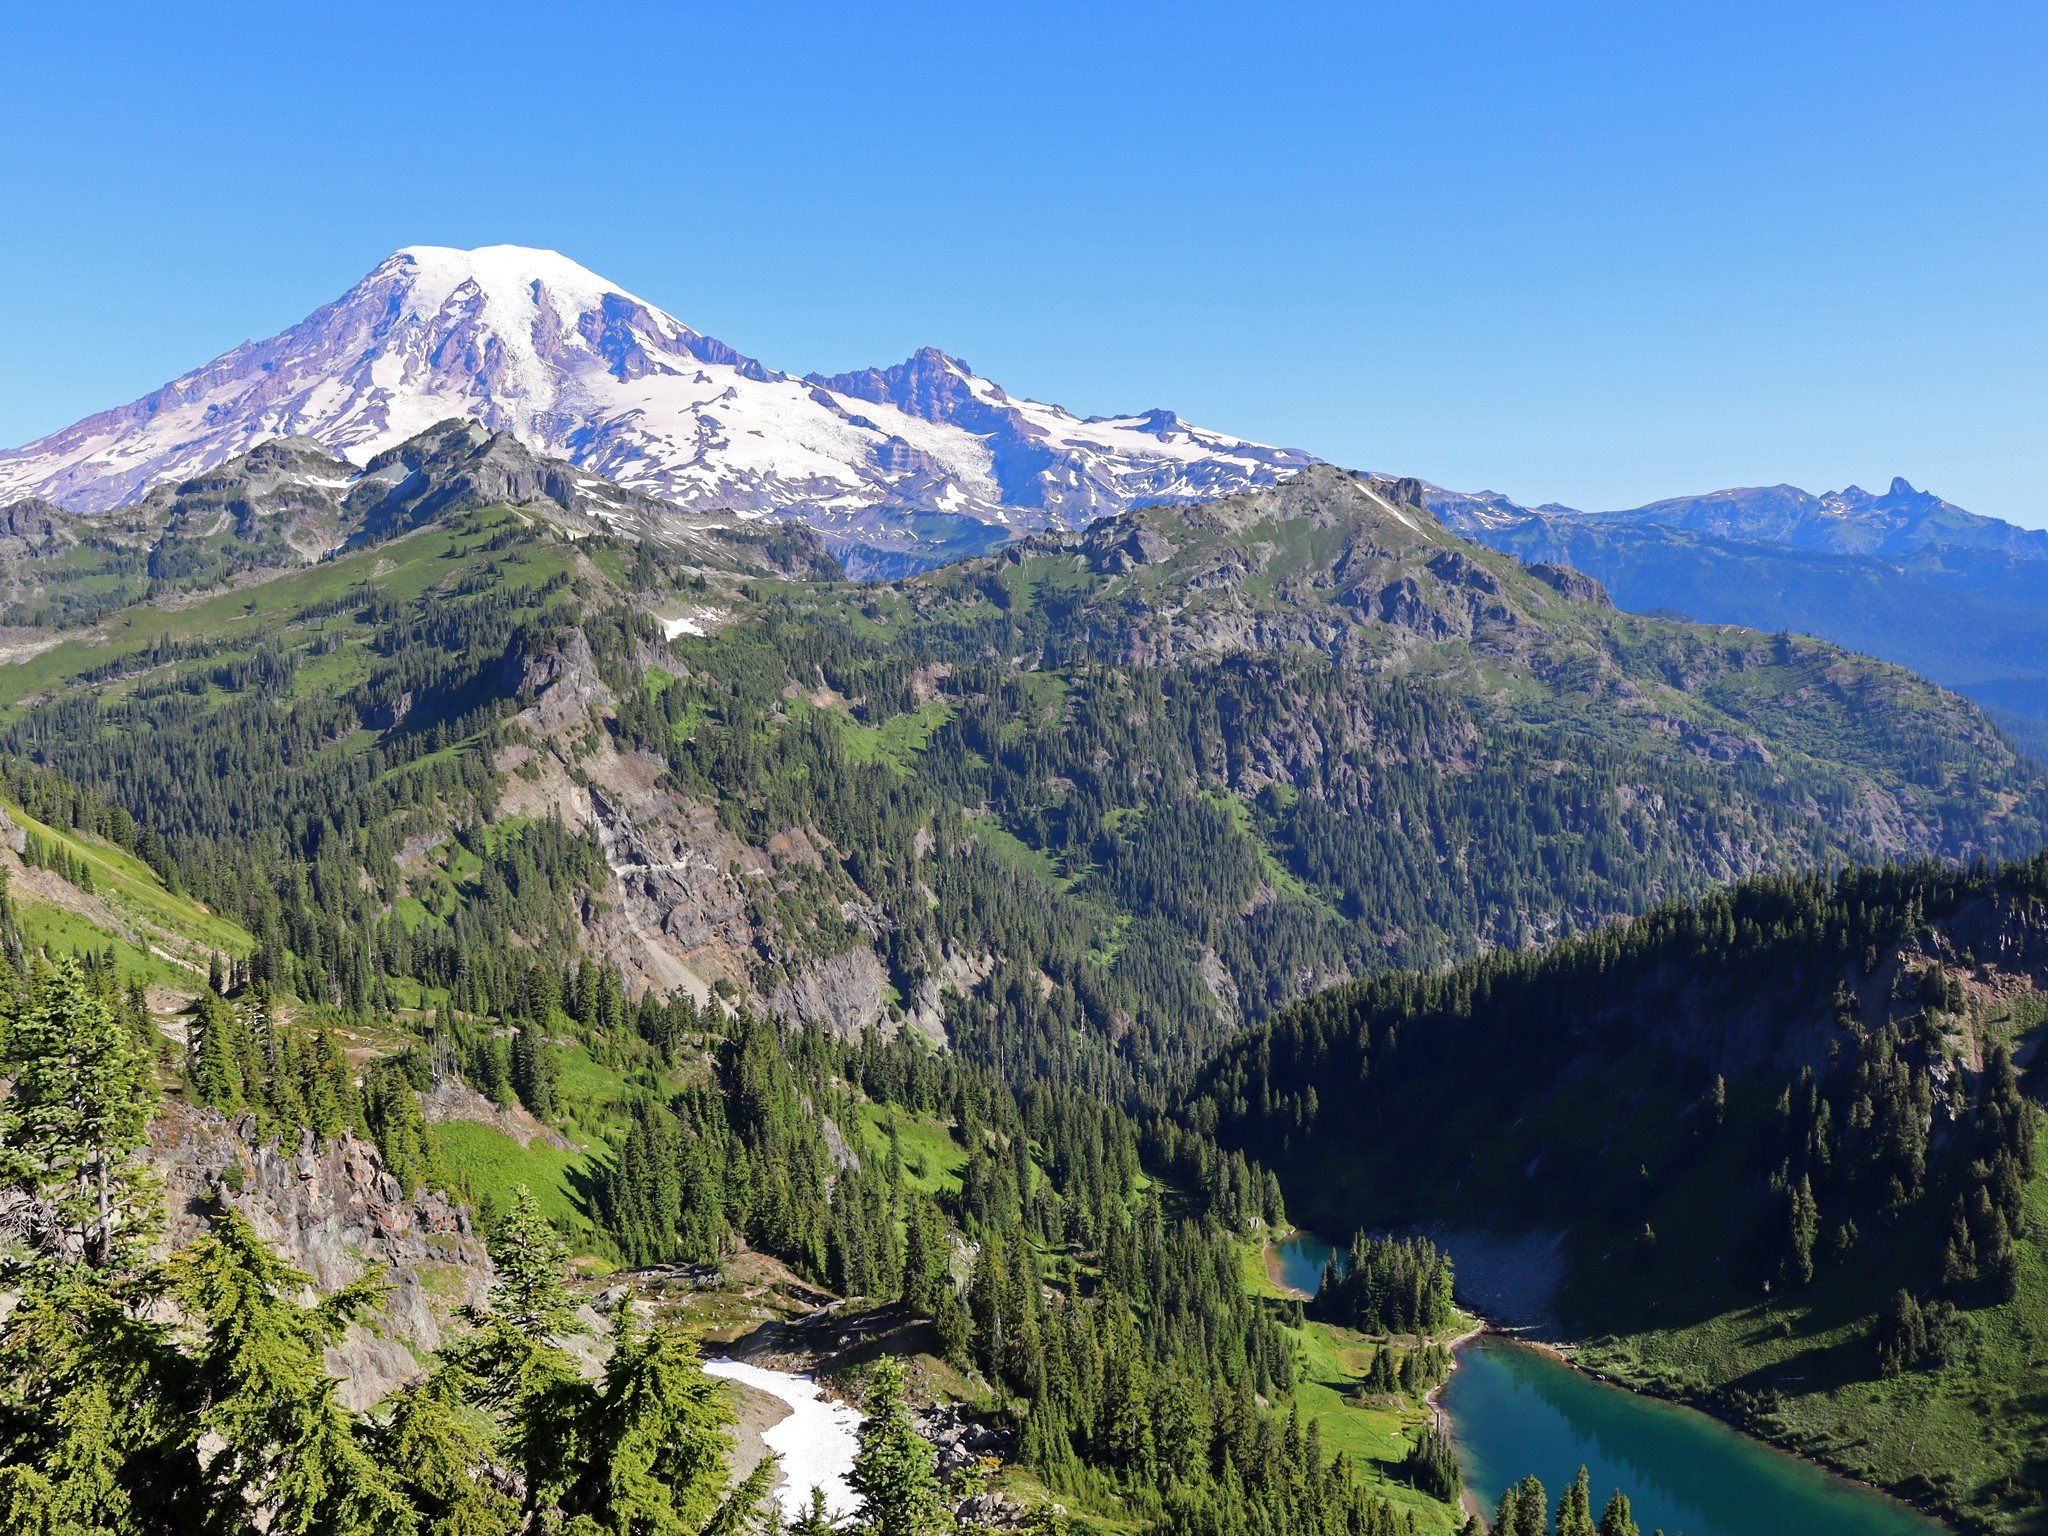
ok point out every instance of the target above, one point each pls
(593, 833)
(1781, 1129)
(1968, 617)
(1205, 833)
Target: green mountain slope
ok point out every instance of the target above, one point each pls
(1755, 1122)
(1959, 599)
(1170, 773)
(645, 863)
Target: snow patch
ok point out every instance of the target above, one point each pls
(691, 623)
(816, 1442)
(1390, 509)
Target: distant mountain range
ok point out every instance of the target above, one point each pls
(925, 457)
(1902, 575)
(631, 417)
(1897, 521)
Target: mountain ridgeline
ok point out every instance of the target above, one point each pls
(879, 931)
(1899, 574)
(1094, 800)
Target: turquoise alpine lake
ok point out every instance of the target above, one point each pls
(1298, 1259)
(1516, 1410)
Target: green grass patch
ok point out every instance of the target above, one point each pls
(932, 1159)
(1278, 875)
(1377, 1434)
(488, 1165)
(590, 1094)
(61, 933)
(1006, 847)
(896, 741)
(131, 890)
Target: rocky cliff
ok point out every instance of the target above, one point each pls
(333, 1211)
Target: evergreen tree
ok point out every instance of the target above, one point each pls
(1575, 1507)
(392, 1115)
(214, 1055)
(536, 1071)
(815, 1519)
(291, 1458)
(79, 1111)
(1616, 1519)
(1802, 1227)
(436, 1443)
(95, 1435)
(529, 1294)
(1524, 1510)
(893, 1471)
(927, 1281)
(1432, 1465)
(1901, 1334)
(655, 1453)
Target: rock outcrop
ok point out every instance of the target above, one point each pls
(333, 1210)
(845, 993)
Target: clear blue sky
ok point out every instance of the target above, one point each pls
(1590, 253)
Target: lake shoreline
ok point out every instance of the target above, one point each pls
(1542, 1338)
(1562, 1354)
(1433, 1399)
(1276, 1270)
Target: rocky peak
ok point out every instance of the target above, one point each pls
(928, 385)
(1573, 586)
(458, 464)
(32, 518)
(1325, 496)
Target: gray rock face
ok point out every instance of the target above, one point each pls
(35, 521)
(960, 1438)
(676, 913)
(1573, 586)
(333, 1211)
(846, 993)
(565, 684)
(959, 972)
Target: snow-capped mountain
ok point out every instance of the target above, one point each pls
(527, 341)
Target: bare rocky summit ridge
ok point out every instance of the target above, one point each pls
(288, 503)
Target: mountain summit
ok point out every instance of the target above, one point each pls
(529, 342)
